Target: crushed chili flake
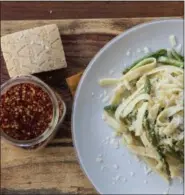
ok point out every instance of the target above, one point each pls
(26, 111)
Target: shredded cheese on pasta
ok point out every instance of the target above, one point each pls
(146, 109)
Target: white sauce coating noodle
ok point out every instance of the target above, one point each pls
(146, 110)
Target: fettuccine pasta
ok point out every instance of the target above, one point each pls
(146, 110)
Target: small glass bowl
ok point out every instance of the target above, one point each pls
(59, 112)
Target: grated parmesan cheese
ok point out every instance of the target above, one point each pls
(124, 180)
(178, 120)
(106, 99)
(179, 48)
(99, 160)
(132, 174)
(116, 166)
(146, 50)
(101, 95)
(172, 40)
(117, 178)
(103, 117)
(147, 170)
(128, 53)
(137, 158)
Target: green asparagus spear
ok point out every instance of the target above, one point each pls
(110, 109)
(172, 62)
(169, 53)
(147, 86)
(157, 54)
(172, 152)
(177, 56)
(151, 134)
(164, 161)
(153, 139)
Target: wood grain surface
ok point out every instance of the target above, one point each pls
(82, 39)
(66, 10)
(56, 170)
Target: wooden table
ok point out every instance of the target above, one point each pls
(56, 170)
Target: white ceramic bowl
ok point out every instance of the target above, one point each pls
(89, 130)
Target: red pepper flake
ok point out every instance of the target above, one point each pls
(26, 111)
